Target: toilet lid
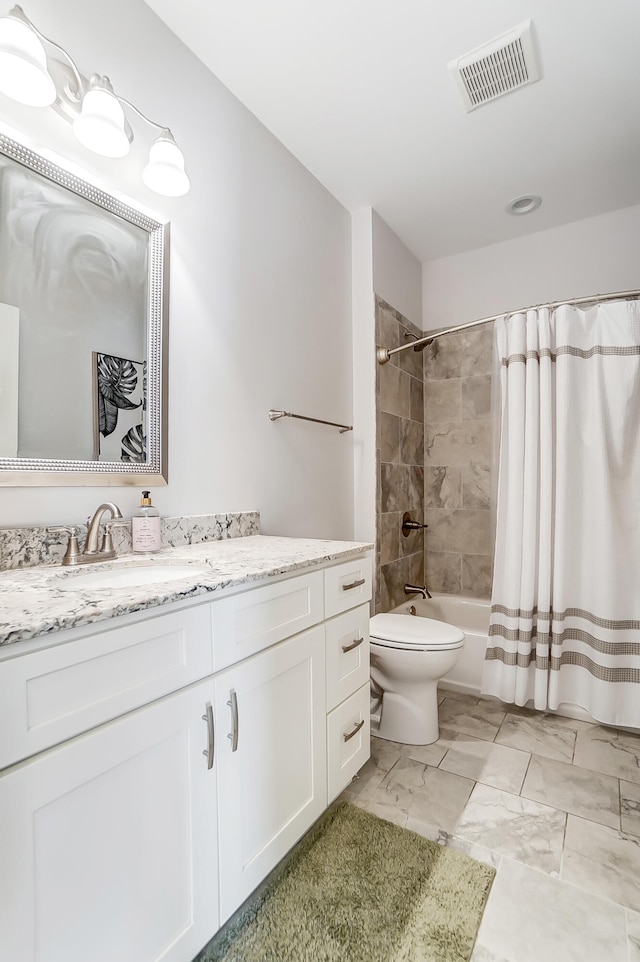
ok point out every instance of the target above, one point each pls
(407, 631)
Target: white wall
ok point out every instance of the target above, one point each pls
(397, 274)
(364, 376)
(260, 290)
(593, 256)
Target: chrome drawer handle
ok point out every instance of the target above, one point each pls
(209, 751)
(233, 705)
(354, 732)
(354, 644)
(354, 584)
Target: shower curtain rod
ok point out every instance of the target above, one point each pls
(384, 354)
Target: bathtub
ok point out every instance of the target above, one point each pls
(471, 615)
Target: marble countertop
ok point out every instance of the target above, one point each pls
(39, 600)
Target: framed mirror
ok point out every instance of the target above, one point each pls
(83, 330)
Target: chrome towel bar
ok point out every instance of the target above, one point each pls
(274, 415)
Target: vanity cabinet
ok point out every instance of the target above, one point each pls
(112, 847)
(271, 759)
(158, 767)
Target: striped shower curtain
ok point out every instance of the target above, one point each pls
(565, 607)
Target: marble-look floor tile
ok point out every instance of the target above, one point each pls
(434, 753)
(633, 935)
(536, 734)
(630, 807)
(610, 752)
(602, 860)
(482, 721)
(515, 827)
(423, 793)
(365, 782)
(384, 754)
(479, 852)
(387, 812)
(630, 743)
(563, 721)
(572, 789)
(387, 753)
(486, 762)
(482, 954)
(461, 696)
(531, 917)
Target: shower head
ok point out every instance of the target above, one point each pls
(421, 342)
(383, 354)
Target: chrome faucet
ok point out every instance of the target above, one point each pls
(417, 590)
(91, 544)
(91, 552)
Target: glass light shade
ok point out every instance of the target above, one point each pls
(165, 172)
(100, 125)
(23, 65)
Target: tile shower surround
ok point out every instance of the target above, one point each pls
(399, 460)
(433, 413)
(457, 404)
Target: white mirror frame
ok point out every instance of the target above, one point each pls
(44, 472)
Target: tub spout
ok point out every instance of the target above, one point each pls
(417, 590)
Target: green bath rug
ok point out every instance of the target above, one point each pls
(359, 889)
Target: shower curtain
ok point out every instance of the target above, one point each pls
(565, 607)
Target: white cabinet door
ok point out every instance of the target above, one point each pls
(108, 842)
(271, 758)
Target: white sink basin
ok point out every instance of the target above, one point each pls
(132, 577)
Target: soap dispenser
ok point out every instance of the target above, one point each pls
(145, 526)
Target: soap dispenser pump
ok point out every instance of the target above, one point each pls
(145, 526)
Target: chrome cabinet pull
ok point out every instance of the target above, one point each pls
(349, 736)
(354, 584)
(233, 705)
(354, 644)
(209, 751)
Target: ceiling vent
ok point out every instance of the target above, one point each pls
(497, 68)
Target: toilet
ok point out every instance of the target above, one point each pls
(408, 657)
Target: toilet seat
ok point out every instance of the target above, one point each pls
(414, 633)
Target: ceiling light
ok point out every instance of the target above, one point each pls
(38, 72)
(524, 205)
(23, 63)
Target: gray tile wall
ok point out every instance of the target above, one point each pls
(457, 403)
(400, 460)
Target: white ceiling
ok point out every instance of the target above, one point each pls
(360, 93)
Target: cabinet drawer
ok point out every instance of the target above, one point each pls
(249, 622)
(347, 586)
(347, 752)
(49, 696)
(347, 658)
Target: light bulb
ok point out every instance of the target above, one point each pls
(165, 172)
(100, 124)
(23, 65)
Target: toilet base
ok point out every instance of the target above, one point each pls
(410, 721)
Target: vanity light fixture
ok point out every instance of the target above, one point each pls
(39, 73)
